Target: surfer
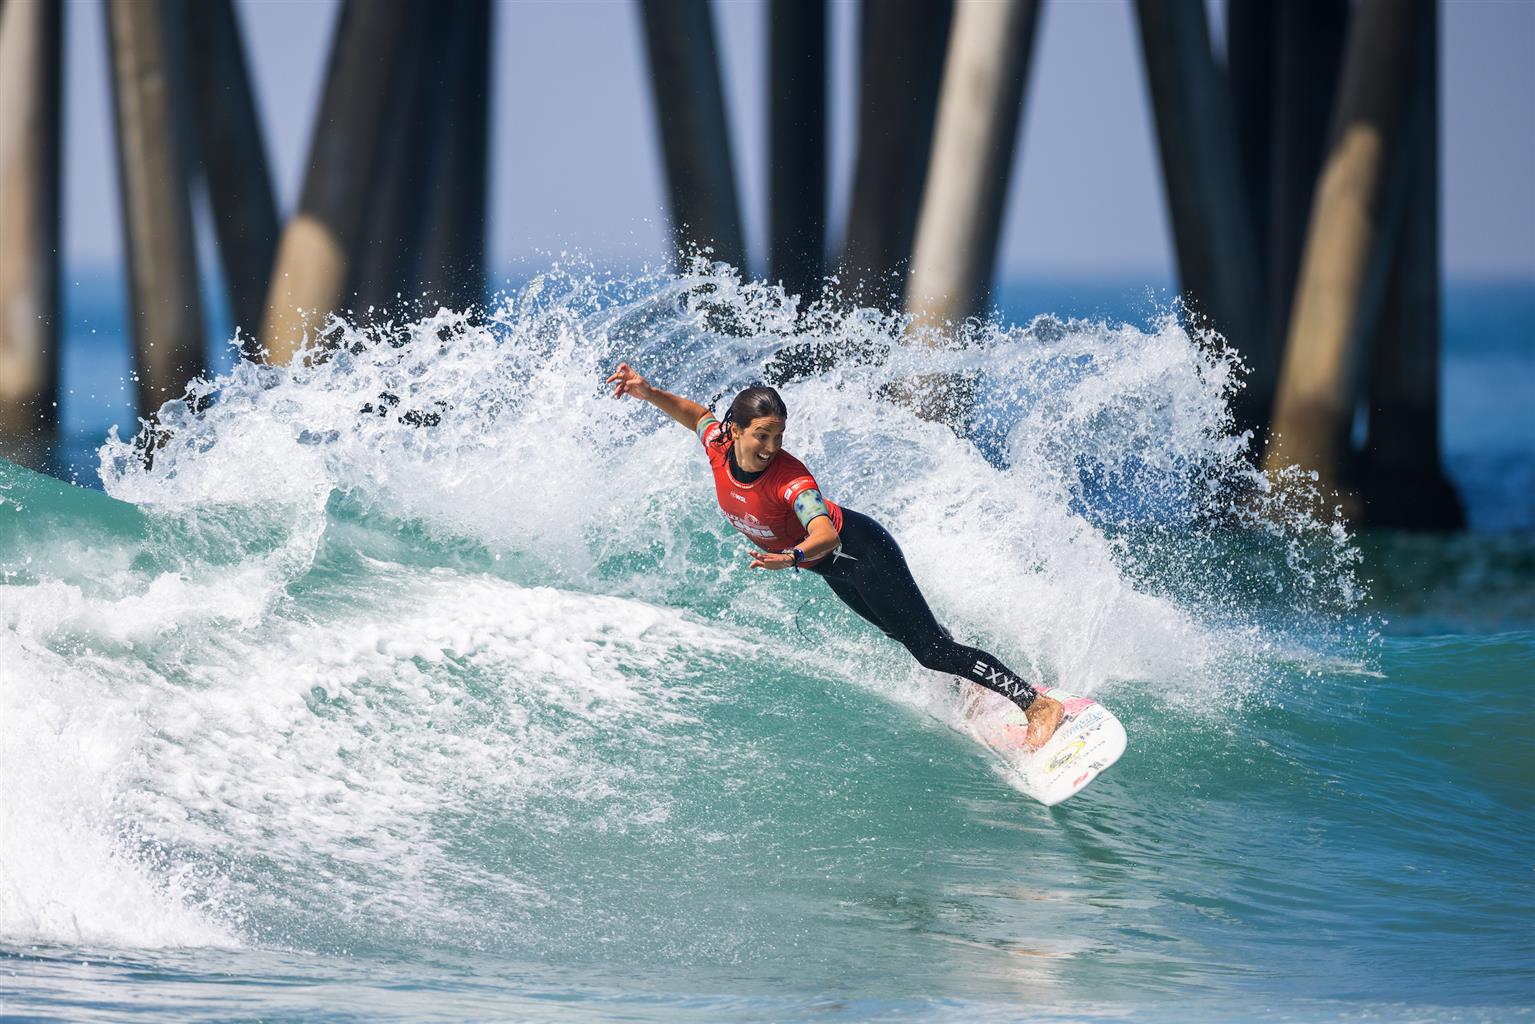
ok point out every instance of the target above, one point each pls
(768, 495)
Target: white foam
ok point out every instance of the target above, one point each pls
(69, 872)
(325, 749)
(205, 723)
(501, 433)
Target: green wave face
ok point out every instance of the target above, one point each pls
(429, 654)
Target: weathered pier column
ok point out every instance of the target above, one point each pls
(1212, 231)
(797, 145)
(1402, 477)
(387, 250)
(1251, 30)
(233, 159)
(1308, 57)
(317, 247)
(31, 41)
(452, 270)
(1348, 245)
(901, 65)
(150, 86)
(695, 140)
(966, 193)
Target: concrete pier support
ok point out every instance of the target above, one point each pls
(452, 270)
(966, 193)
(316, 250)
(1353, 225)
(1212, 230)
(233, 159)
(387, 251)
(901, 56)
(695, 140)
(1402, 479)
(1251, 29)
(797, 145)
(1308, 57)
(31, 40)
(151, 89)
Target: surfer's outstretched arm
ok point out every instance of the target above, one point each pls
(627, 381)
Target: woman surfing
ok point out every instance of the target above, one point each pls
(768, 495)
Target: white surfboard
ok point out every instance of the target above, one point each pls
(1089, 739)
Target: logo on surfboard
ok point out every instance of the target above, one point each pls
(1064, 757)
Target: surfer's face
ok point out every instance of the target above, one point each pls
(758, 442)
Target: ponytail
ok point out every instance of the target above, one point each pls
(722, 436)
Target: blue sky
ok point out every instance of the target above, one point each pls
(575, 167)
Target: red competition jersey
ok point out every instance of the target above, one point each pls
(764, 508)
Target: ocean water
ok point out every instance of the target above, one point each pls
(425, 683)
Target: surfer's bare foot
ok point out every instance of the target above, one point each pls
(1044, 717)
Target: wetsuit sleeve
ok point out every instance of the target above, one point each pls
(708, 428)
(809, 505)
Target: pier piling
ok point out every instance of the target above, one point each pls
(1402, 480)
(695, 140)
(233, 159)
(1354, 218)
(1201, 170)
(797, 145)
(1251, 32)
(901, 55)
(387, 251)
(317, 248)
(31, 41)
(1308, 57)
(452, 269)
(965, 197)
(150, 87)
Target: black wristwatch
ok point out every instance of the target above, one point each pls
(799, 556)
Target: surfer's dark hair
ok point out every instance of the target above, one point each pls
(751, 404)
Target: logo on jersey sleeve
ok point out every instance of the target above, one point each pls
(799, 483)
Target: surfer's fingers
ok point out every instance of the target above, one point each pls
(629, 382)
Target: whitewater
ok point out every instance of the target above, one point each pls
(420, 679)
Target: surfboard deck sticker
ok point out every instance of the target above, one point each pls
(1089, 740)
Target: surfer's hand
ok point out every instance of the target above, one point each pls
(771, 560)
(629, 382)
(1044, 717)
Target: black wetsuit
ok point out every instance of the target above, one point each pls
(869, 573)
